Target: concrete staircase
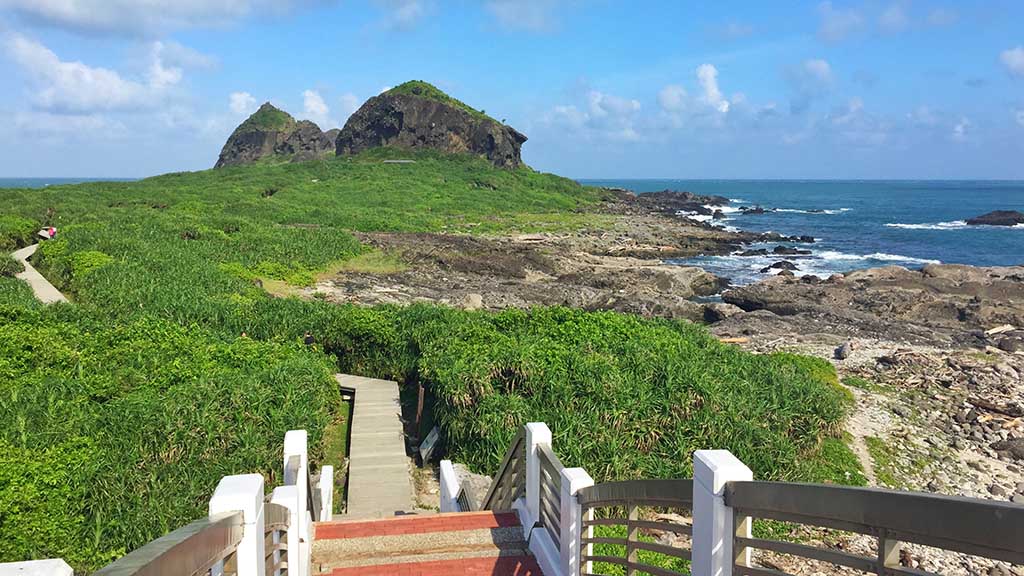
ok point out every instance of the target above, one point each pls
(438, 544)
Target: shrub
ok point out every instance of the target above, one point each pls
(10, 267)
(15, 232)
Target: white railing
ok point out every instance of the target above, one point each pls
(246, 532)
(721, 498)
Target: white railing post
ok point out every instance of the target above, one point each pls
(713, 527)
(288, 496)
(537, 433)
(449, 487)
(572, 529)
(295, 445)
(244, 493)
(326, 493)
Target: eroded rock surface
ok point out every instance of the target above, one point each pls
(273, 133)
(423, 117)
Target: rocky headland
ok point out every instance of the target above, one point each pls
(273, 133)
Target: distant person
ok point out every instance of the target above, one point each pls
(51, 232)
(308, 339)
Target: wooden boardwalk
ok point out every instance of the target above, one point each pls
(379, 478)
(44, 291)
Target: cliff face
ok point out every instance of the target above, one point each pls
(417, 115)
(271, 132)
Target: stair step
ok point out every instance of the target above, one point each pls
(491, 566)
(412, 524)
(386, 549)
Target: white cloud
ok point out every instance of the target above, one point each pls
(135, 17)
(894, 18)
(605, 117)
(1013, 59)
(58, 128)
(314, 108)
(76, 87)
(531, 15)
(672, 98)
(962, 130)
(848, 115)
(1019, 115)
(403, 14)
(241, 103)
(810, 80)
(942, 17)
(838, 24)
(707, 76)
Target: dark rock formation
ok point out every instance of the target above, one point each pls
(998, 218)
(417, 115)
(788, 251)
(781, 265)
(273, 133)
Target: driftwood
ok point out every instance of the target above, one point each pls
(1011, 411)
(741, 340)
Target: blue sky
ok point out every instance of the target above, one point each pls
(603, 89)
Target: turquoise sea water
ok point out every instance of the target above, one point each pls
(861, 224)
(44, 182)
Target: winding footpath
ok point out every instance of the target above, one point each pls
(44, 291)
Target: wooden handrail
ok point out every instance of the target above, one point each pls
(669, 493)
(972, 526)
(506, 469)
(191, 549)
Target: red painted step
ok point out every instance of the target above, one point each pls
(503, 566)
(415, 524)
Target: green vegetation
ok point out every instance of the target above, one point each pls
(127, 407)
(267, 118)
(336, 449)
(864, 384)
(15, 231)
(430, 92)
(10, 267)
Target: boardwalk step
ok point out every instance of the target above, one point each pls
(502, 566)
(434, 544)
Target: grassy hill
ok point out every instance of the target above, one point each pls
(144, 387)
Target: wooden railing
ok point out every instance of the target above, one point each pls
(191, 549)
(509, 483)
(990, 529)
(633, 505)
(275, 539)
(550, 491)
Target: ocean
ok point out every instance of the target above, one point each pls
(860, 224)
(44, 182)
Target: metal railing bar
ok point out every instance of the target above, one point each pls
(655, 570)
(662, 549)
(740, 570)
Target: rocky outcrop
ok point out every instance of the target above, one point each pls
(998, 218)
(417, 115)
(273, 133)
(940, 304)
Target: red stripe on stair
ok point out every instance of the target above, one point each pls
(503, 566)
(415, 524)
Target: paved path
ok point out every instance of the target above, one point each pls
(379, 483)
(45, 292)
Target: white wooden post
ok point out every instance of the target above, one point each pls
(713, 528)
(537, 433)
(295, 442)
(48, 567)
(288, 496)
(326, 493)
(244, 493)
(449, 487)
(572, 530)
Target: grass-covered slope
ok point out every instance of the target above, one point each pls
(127, 406)
(430, 92)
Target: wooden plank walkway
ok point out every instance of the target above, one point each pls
(379, 477)
(45, 292)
